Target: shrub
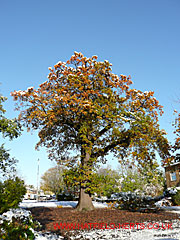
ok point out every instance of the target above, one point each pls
(12, 192)
(65, 197)
(176, 198)
(133, 201)
(17, 224)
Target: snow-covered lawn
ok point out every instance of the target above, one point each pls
(119, 234)
(34, 203)
(173, 209)
(52, 203)
(122, 234)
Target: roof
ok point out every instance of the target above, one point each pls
(172, 164)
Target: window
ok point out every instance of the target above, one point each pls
(173, 176)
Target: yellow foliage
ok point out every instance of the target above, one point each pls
(59, 206)
(111, 205)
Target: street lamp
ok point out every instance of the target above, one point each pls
(37, 198)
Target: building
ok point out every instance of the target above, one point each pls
(172, 173)
(30, 192)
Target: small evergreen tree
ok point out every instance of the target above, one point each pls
(12, 191)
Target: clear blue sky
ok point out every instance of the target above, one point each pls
(140, 38)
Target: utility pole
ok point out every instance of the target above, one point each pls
(37, 198)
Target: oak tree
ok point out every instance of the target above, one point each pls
(85, 108)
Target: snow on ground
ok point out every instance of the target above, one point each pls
(173, 209)
(127, 234)
(122, 234)
(34, 203)
(106, 234)
(52, 203)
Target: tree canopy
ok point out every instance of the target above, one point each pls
(85, 107)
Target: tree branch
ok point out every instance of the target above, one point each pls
(104, 130)
(125, 140)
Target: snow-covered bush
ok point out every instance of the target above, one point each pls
(172, 191)
(163, 203)
(135, 201)
(17, 224)
(152, 189)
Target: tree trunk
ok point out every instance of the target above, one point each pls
(85, 201)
